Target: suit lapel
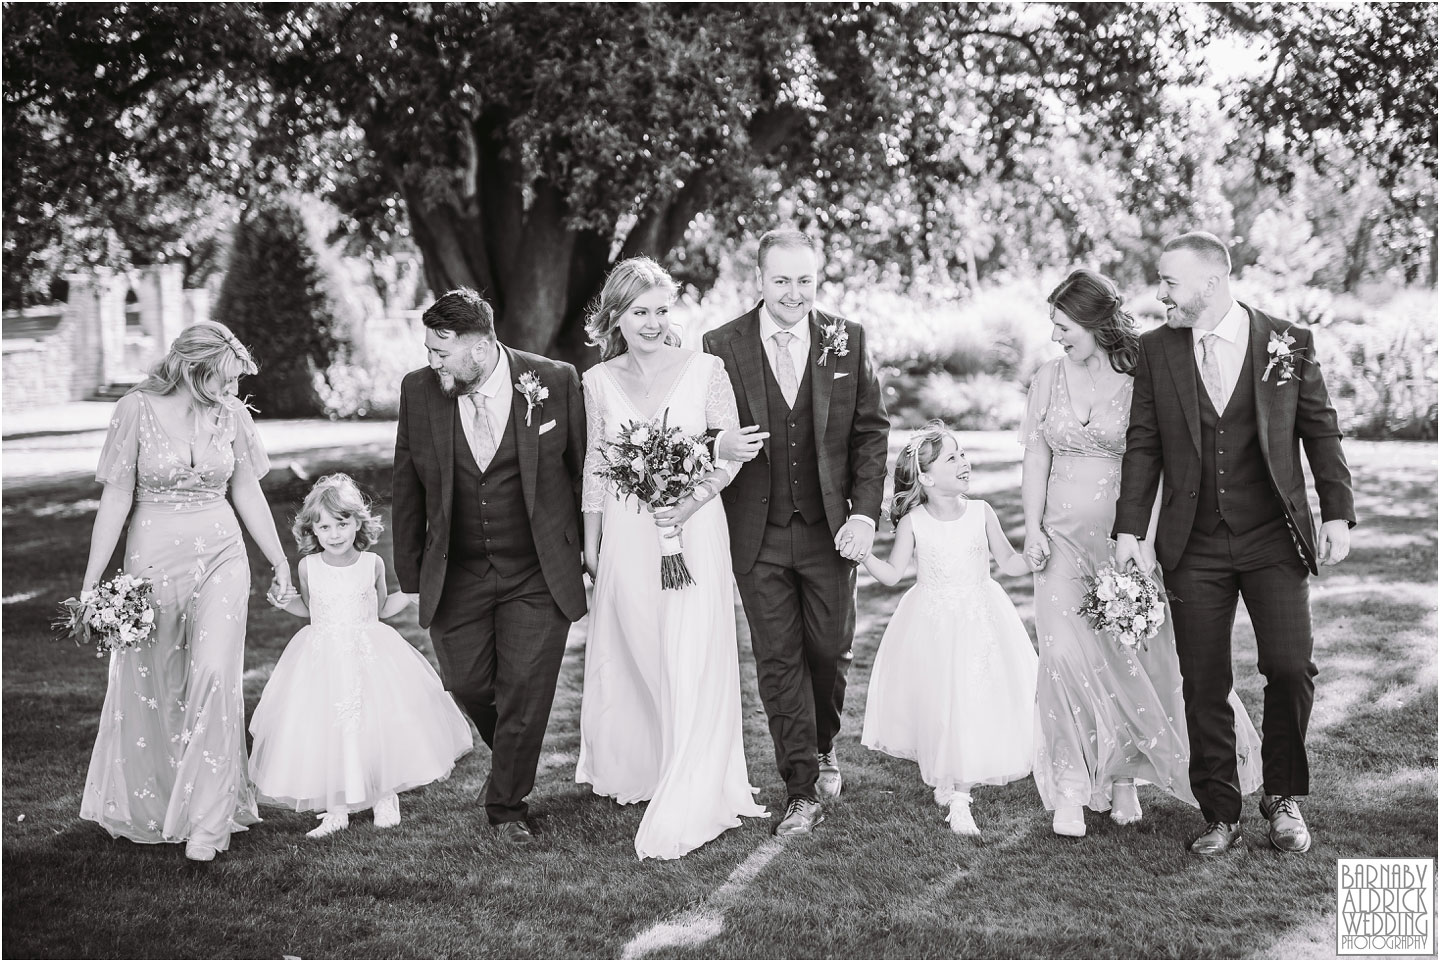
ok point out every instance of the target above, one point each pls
(1259, 354)
(749, 360)
(442, 431)
(1180, 353)
(822, 381)
(527, 438)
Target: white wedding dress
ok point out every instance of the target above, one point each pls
(660, 715)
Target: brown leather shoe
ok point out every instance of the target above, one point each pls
(801, 816)
(828, 785)
(1287, 827)
(1217, 839)
(515, 833)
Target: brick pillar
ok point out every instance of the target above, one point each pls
(170, 283)
(110, 312)
(82, 316)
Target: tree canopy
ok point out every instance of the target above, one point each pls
(526, 147)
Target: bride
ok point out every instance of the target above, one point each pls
(660, 716)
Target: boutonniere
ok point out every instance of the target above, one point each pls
(1282, 357)
(533, 391)
(834, 339)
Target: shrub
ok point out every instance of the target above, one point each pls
(279, 299)
(1382, 377)
(980, 402)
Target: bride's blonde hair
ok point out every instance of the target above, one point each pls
(631, 278)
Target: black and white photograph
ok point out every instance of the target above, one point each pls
(719, 480)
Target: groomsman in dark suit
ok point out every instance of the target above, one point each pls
(486, 518)
(1224, 396)
(803, 510)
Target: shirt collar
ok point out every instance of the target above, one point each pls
(498, 378)
(768, 327)
(1231, 326)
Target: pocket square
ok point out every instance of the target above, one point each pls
(546, 426)
(840, 374)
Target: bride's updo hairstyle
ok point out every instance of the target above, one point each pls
(202, 359)
(1091, 300)
(918, 454)
(630, 279)
(338, 496)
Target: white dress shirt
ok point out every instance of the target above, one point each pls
(799, 347)
(495, 401)
(1232, 338)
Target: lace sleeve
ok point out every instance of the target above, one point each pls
(720, 409)
(592, 487)
(1037, 404)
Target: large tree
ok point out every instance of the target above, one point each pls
(526, 147)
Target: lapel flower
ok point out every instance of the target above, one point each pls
(833, 339)
(1282, 357)
(533, 391)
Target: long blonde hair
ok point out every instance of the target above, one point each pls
(631, 278)
(916, 457)
(203, 359)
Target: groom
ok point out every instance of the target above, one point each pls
(486, 516)
(802, 510)
(1224, 394)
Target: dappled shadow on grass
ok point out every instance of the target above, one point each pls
(883, 877)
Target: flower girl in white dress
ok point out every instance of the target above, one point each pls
(953, 686)
(352, 713)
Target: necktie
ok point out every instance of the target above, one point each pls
(1210, 372)
(785, 367)
(484, 433)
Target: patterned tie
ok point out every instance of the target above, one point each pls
(484, 433)
(1210, 372)
(785, 367)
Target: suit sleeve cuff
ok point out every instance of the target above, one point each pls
(865, 518)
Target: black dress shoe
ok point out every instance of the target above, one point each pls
(1217, 839)
(1287, 826)
(515, 833)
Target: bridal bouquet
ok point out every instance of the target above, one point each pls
(1125, 605)
(658, 465)
(117, 615)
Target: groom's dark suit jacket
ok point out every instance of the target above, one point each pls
(851, 429)
(551, 453)
(1165, 434)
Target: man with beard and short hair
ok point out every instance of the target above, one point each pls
(489, 452)
(1224, 396)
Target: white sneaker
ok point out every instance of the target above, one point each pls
(960, 819)
(330, 823)
(387, 812)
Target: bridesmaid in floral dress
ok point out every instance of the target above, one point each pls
(169, 763)
(1105, 716)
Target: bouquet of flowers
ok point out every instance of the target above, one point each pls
(116, 615)
(1125, 605)
(658, 465)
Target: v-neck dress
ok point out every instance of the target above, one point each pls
(660, 715)
(1102, 711)
(169, 763)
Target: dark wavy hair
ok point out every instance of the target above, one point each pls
(340, 497)
(915, 458)
(1091, 300)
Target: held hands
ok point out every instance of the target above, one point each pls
(1131, 552)
(281, 591)
(740, 445)
(1037, 551)
(854, 540)
(1333, 544)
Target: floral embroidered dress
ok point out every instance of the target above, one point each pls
(169, 763)
(660, 718)
(352, 712)
(953, 687)
(1103, 711)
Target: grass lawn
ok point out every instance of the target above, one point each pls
(881, 878)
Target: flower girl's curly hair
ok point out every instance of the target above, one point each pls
(916, 456)
(340, 497)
